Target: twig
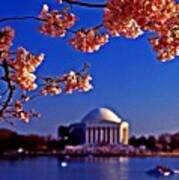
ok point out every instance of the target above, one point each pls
(17, 18)
(84, 4)
(9, 86)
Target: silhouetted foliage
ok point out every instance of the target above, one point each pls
(164, 142)
(151, 142)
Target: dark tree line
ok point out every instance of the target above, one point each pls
(163, 142)
(74, 135)
(10, 140)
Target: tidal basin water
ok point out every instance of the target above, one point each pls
(50, 168)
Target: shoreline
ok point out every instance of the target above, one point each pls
(91, 155)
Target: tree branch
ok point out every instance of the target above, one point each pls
(9, 86)
(17, 18)
(83, 4)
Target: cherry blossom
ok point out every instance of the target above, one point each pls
(118, 21)
(6, 38)
(130, 18)
(84, 83)
(24, 65)
(89, 40)
(56, 23)
(75, 81)
(67, 83)
(17, 111)
(51, 89)
(127, 18)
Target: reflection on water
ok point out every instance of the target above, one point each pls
(89, 168)
(106, 159)
(110, 168)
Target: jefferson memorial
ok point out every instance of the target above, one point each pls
(103, 126)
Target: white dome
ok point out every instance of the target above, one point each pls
(101, 114)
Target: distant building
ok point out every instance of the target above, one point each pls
(99, 126)
(103, 126)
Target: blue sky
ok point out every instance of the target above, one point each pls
(127, 76)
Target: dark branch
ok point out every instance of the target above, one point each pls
(10, 88)
(83, 4)
(17, 18)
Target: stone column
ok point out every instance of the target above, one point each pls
(111, 136)
(101, 135)
(89, 130)
(91, 136)
(115, 136)
(106, 135)
(87, 136)
(109, 132)
(119, 134)
(96, 135)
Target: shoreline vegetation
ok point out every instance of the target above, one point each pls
(25, 154)
(13, 145)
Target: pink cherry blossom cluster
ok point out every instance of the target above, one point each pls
(89, 40)
(69, 82)
(17, 111)
(19, 72)
(166, 47)
(6, 38)
(51, 89)
(76, 81)
(56, 23)
(24, 67)
(166, 43)
(84, 84)
(20, 113)
(130, 18)
(118, 21)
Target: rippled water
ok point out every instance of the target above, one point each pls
(49, 168)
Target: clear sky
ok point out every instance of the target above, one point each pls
(127, 76)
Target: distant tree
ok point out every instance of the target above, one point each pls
(136, 142)
(7, 140)
(133, 141)
(165, 140)
(142, 140)
(174, 144)
(126, 18)
(151, 143)
(32, 142)
(54, 144)
(6, 133)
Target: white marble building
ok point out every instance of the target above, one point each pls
(103, 126)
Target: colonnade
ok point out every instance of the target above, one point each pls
(100, 135)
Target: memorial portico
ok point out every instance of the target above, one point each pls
(102, 134)
(104, 127)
